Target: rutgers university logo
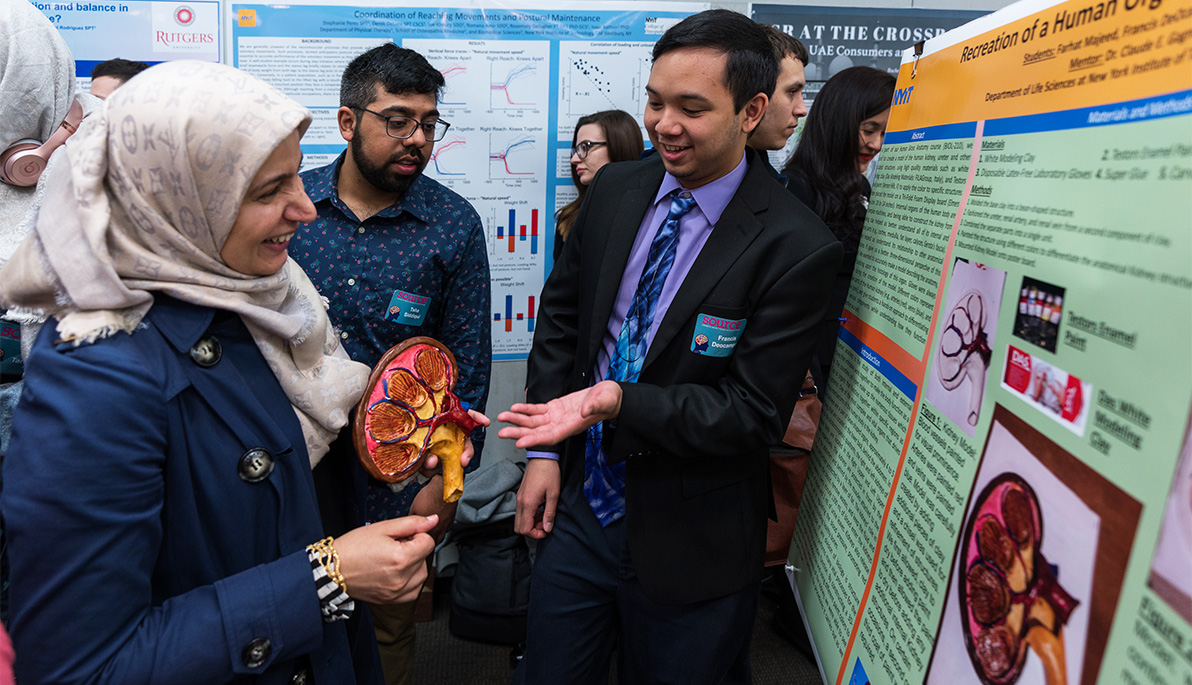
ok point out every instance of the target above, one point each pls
(184, 27)
(184, 15)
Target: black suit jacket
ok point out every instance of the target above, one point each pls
(694, 430)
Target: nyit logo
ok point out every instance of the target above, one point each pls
(656, 26)
(184, 15)
(903, 95)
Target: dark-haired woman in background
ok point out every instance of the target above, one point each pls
(600, 138)
(843, 132)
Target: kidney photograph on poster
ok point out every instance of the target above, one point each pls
(1038, 568)
(964, 335)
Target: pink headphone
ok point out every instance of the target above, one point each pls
(22, 163)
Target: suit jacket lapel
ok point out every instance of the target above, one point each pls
(731, 235)
(623, 226)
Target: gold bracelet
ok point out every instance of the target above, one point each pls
(329, 560)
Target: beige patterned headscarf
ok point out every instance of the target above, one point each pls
(148, 195)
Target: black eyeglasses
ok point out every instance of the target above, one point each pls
(581, 150)
(404, 127)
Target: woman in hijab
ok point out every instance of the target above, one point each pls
(158, 493)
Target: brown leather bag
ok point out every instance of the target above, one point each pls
(788, 471)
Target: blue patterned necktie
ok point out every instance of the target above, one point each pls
(604, 483)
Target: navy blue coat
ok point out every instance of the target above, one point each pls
(138, 552)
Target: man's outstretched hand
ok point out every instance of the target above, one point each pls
(535, 425)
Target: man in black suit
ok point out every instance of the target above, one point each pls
(671, 344)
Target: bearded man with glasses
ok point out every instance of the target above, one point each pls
(398, 255)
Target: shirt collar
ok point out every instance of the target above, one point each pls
(324, 185)
(324, 181)
(711, 198)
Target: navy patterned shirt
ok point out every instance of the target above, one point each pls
(419, 267)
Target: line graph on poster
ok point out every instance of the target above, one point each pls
(453, 76)
(512, 85)
(506, 78)
(444, 162)
(514, 157)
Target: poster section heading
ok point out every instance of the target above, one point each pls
(1023, 513)
(517, 80)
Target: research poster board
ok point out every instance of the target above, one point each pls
(1001, 489)
(837, 38)
(517, 80)
(148, 31)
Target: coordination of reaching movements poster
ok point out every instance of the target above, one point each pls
(1001, 490)
(517, 81)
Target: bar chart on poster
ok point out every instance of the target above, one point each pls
(517, 79)
(1001, 491)
(513, 238)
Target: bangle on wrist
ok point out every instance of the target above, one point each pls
(329, 559)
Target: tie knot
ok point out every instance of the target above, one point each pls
(681, 203)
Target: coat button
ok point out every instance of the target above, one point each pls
(206, 352)
(256, 465)
(256, 652)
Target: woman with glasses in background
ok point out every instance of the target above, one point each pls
(609, 136)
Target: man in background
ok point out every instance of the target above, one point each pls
(786, 103)
(398, 255)
(110, 75)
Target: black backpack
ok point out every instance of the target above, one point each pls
(491, 589)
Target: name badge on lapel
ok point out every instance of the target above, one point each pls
(716, 337)
(407, 308)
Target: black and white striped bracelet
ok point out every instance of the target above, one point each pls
(335, 604)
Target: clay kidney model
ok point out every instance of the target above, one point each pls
(409, 412)
(1010, 598)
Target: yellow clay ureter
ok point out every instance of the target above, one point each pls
(447, 442)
